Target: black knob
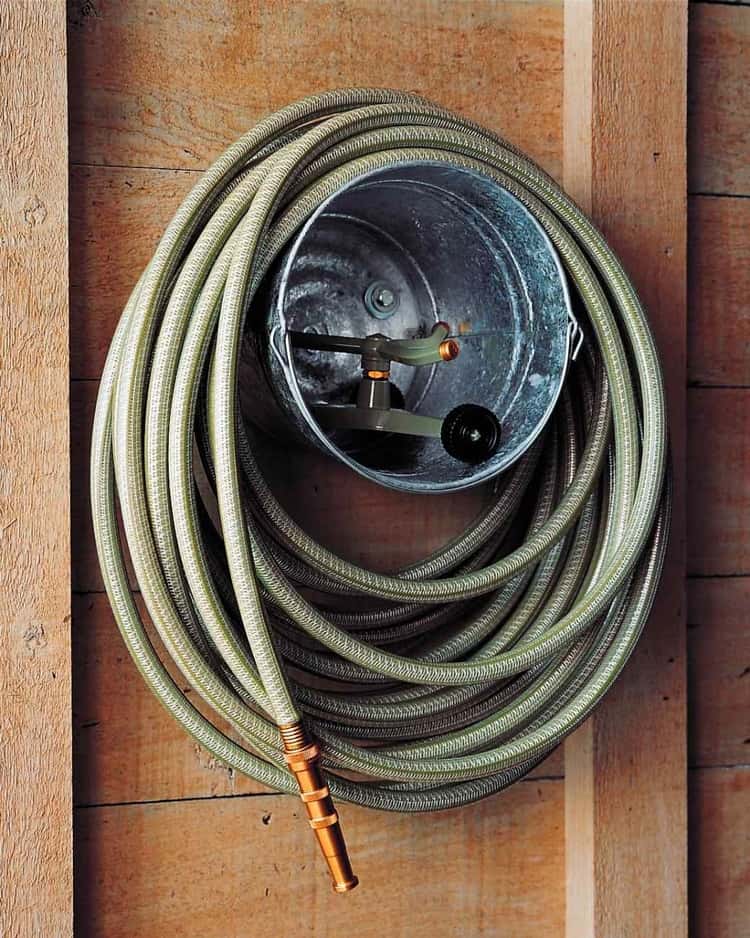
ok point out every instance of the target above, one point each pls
(471, 433)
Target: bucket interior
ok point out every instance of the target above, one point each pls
(395, 252)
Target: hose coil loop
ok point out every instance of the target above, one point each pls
(459, 673)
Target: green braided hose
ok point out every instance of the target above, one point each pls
(460, 672)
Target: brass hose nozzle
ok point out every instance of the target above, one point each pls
(303, 758)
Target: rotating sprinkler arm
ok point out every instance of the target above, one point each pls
(380, 350)
(436, 347)
(469, 433)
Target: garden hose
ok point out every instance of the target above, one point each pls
(423, 689)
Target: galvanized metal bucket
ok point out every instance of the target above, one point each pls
(395, 252)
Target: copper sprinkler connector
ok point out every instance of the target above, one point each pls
(449, 349)
(303, 758)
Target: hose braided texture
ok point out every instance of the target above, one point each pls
(443, 682)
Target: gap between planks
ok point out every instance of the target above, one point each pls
(199, 170)
(721, 3)
(93, 806)
(89, 806)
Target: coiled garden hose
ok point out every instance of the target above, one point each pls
(457, 674)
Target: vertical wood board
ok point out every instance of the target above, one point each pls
(718, 288)
(624, 160)
(719, 99)
(35, 734)
(719, 671)
(720, 853)
(719, 474)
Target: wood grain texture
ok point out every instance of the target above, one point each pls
(719, 475)
(625, 768)
(231, 867)
(719, 671)
(719, 287)
(126, 746)
(578, 116)
(160, 84)
(35, 761)
(117, 217)
(720, 853)
(719, 354)
(719, 99)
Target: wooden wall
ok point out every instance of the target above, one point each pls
(719, 468)
(166, 839)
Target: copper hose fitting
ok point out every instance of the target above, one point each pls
(449, 349)
(303, 758)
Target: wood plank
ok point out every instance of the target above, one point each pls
(624, 160)
(719, 100)
(719, 671)
(719, 286)
(117, 217)
(127, 748)
(720, 853)
(35, 790)
(719, 481)
(154, 84)
(493, 869)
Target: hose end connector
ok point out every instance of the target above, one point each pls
(303, 758)
(449, 350)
